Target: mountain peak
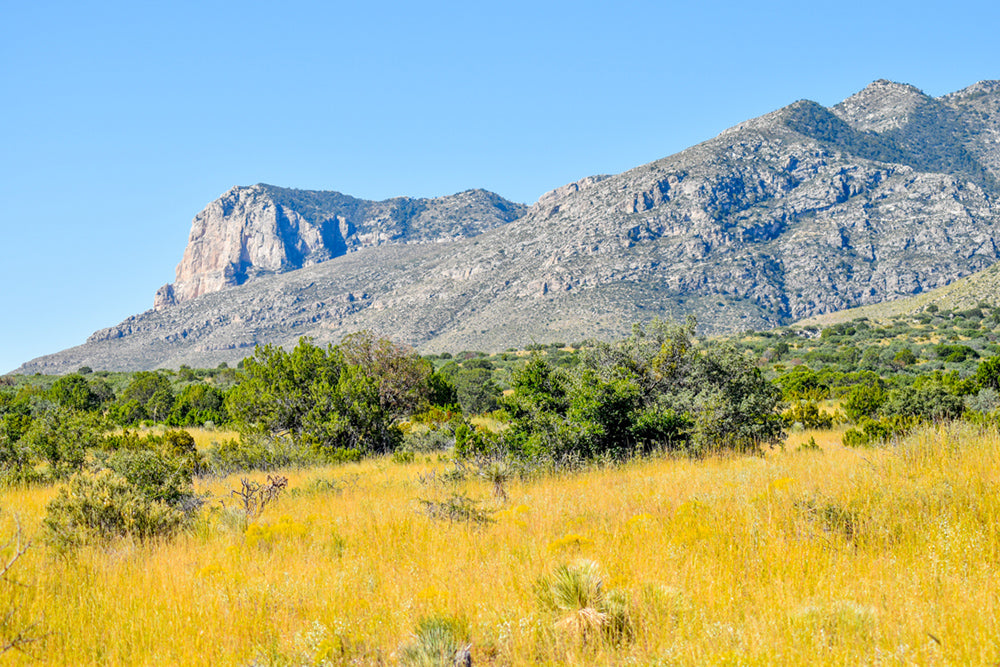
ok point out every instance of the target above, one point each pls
(882, 106)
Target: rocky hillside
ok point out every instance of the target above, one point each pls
(261, 230)
(803, 211)
(963, 294)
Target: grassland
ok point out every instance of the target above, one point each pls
(839, 556)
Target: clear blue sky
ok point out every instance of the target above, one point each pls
(121, 120)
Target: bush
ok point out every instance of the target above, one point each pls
(808, 414)
(250, 452)
(985, 401)
(425, 440)
(930, 402)
(347, 396)
(873, 433)
(97, 507)
(439, 641)
(581, 608)
(863, 401)
(60, 438)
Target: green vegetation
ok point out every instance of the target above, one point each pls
(519, 433)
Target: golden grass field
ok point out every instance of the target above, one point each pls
(842, 557)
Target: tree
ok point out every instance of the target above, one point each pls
(281, 393)
(863, 401)
(197, 404)
(736, 406)
(988, 373)
(475, 390)
(147, 396)
(400, 374)
(348, 396)
(61, 437)
(654, 389)
(73, 391)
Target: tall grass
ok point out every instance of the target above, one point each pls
(841, 556)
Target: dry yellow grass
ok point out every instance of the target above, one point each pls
(845, 557)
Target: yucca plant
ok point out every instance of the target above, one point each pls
(583, 609)
(497, 471)
(439, 641)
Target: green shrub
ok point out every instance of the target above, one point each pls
(808, 414)
(425, 440)
(252, 452)
(581, 608)
(96, 507)
(439, 641)
(154, 475)
(863, 401)
(402, 456)
(60, 438)
(873, 433)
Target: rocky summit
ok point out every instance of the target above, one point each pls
(261, 230)
(803, 211)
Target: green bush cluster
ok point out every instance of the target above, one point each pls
(655, 390)
(349, 396)
(137, 493)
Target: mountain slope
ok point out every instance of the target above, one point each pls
(963, 294)
(803, 211)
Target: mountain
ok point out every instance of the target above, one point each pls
(803, 211)
(261, 230)
(964, 294)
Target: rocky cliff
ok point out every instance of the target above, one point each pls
(802, 211)
(261, 230)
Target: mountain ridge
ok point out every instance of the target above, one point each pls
(799, 212)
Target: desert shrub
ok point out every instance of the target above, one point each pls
(863, 401)
(438, 641)
(254, 452)
(474, 386)
(130, 440)
(154, 475)
(59, 439)
(929, 401)
(809, 446)
(877, 432)
(16, 461)
(403, 456)
(253, 497)
(457, 508)
(75, 392)
(350, 396)
(955, 353)
(197, 404)
(808, 414)
(580, 607)
(985, 401)
(147, 396)
(802, 383)
(97, 507)
(988, 373)
(433, 439)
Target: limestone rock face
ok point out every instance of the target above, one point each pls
(803, 211)
(260, 230)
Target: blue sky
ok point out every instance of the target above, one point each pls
(121, 120)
